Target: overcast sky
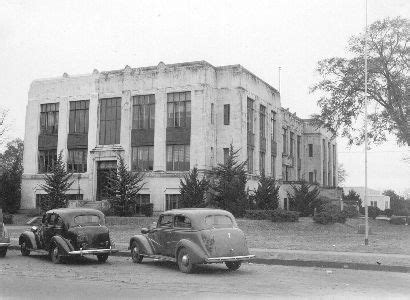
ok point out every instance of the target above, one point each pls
(40, 39)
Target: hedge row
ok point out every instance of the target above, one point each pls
(277, 215)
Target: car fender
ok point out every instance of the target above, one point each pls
(63, 245)
(30, 239)
(197, 255)
(144, 244)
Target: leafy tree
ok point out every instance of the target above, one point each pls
(230, 182)
(57, 183)
(341, 87)
(397, 203)
(341, 174)
(304, 198)
(352, 198)
(4, 126)
(267, 194)
(124, 185)
(193, 190)
(11, 169)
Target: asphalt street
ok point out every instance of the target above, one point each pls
(35, 277)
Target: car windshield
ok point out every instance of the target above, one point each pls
(219, 221)
(87, 220)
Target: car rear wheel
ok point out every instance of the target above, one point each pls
(55, 254)
(233, 265)
(3, 252)
(24, 250)
(102, 258)
(184, 261)
(136, 253)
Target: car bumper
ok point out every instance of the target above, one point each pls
(93, 251)
(2, 244)
(228, 258)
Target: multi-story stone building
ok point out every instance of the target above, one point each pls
(165, 120)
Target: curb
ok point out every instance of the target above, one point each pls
(301, 263)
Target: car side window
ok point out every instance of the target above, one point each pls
(182, 222)
(52, 219)
(44, 220)
(58, 221)
(165, 221)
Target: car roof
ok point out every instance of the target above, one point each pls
(196, 211)
(72, 212)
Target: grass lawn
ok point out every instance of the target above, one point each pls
(302, 235)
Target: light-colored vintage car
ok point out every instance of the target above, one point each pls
(191, 237)
(66, 232)
(4, 237)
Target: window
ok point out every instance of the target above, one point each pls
(165, 221)
(226, 155)
(49, 118)
(77, 161)
(110, 121)
(310, 177)
(46, 160)
(39, 199)
(218, 221)
(143, 158)
(75, 196)
(273, 166)
(178, 157)
(249, 119)
(227, 114)
(250, 159)
(172, 201)
(212, 113)
(262, 162)
(143, 199)
(262, 121)
(299, 138)
(285, 204)
(386, 204)
(79, 116)
(373, 203)
(179, 109)
(88, 220)
(143, 112)
(285, 141)
(273, 119)
(182, 222)
(292, 141)
(310, 148)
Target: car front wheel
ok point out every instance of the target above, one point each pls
(184, 261)
(233, 265)
(24, 250)
(3, 252)
(136, 253)
(102, 258)
(55, 254)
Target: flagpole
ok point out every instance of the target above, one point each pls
(366, 210)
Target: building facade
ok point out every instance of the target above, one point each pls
(165, 120)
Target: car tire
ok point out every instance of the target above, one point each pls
(3, 252)
(55, 254)
(23, 249)
(184, 261)
(233, 265)
(136, 253)
(102, 258)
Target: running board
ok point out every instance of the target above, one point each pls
(161, 257)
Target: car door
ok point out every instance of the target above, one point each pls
(181, 228)
(48, 229)
(158, 235)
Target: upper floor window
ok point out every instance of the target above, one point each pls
(110, 121)
(262, 121)
(299, 138)
(273, 119)
(285, 140)
(212, 113)
(143, 158)
(79, 116)
(249, 119)
(227, 114)
(178, 157)
(292, 142)
(250, 159)
(310, 148)
(46, 160)
(143, 112)
(179, 109)
(226, 155)
(49, 118)
(77, 161)
(262, 162)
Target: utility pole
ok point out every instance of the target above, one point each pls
(366, 210)
(279, 78)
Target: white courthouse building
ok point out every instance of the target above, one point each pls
(165, 120)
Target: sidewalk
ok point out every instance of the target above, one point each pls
(308, 258)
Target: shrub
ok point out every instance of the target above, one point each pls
(388, 212)
(402, 212)
(350, 211)
(147, 209)
(281, 215)
(372, 211)
(398, 221)
(7, 218)
(329, 214)
(258, 214)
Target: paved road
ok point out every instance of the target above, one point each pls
(35, 277)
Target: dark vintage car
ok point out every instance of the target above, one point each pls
(66, 232)
(4, 237)
(191, 237)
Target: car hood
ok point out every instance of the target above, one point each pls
(90, 236)
(224, 242)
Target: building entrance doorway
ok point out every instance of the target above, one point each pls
(104, 169)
